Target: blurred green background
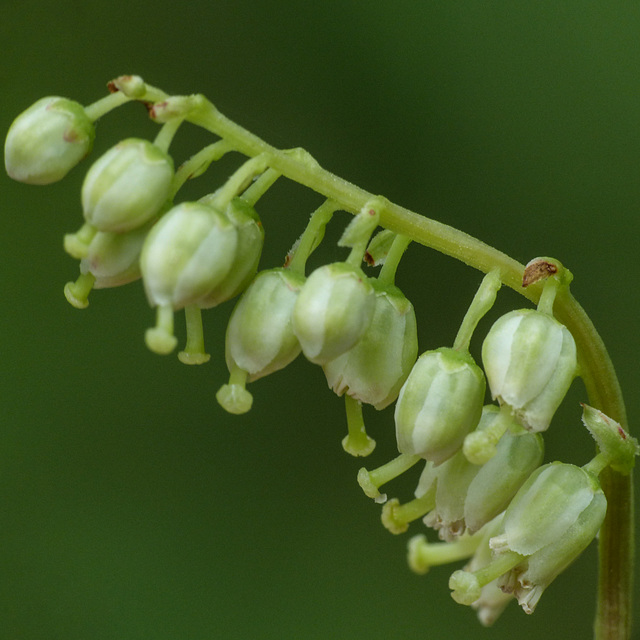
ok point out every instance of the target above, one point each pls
(131, 506)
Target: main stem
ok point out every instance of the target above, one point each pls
(616, 540)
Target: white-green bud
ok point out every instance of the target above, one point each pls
(375, 368)
(187, 254)
(47, 140)
(114, 258)
(260, 338)
(127, 186)
(551, 520)
(439, 404)
(247, 256)
(530, 361)
(333, 310)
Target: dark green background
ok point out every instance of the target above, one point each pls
(131, 505)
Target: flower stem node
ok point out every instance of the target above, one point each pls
(333, 310)
(439, 404)
(47, 140)
(127, 186)
(530, 361)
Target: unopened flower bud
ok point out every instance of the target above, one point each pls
(333, 310)
(375, 368)
(127, 186)
(260, 338)
(47, 140)
(247, 255)
(440, 403)
(187, 254)
(530, 361)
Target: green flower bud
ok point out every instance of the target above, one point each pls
(260, 338)
(547, 505)
(375, 368)
(530, 362)
(187, 254)
(440, 403)
(247, 255)
(114, 258)
(333, 310)
(47, 140)
(127, 186)
(468, 496)
(551, 520)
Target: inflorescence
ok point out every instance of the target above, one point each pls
(484, 488)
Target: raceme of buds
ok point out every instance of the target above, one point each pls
(439, 404)
(334, 309)
(530, 362)
(260, 338)
(247, 255)
(127, 186)
(468, 496)
(375, 368)
(187, 254)
(47, 140)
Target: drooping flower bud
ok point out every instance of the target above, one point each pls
(247, 255)
(187, 254)
(127, 186)
(47, 140)
(440, 403)
(530, 361)
(375, 368)
(467, 495)
(333, 310)
(260, 338)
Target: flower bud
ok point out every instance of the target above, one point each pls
(127, 186)
(260, 338)
(440, 403)
(187, 254)
(114, 258)
(551, 520)
(47, 140)
(333, 310)
(247, 256)
(530, 361)
(375, 368)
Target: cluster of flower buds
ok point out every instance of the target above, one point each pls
(482, 488)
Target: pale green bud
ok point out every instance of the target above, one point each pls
(247, 255)
(528, 580)
(468, 496)
(546, 507)
(260, 338)
(47, 140)
(440, 403)
(530, 361)
(127, 186)
(114, 258)
(187, 254)
(333, 310)
(375, 368)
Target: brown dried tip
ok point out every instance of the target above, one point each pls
(538, 269)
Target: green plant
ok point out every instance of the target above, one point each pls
(361, 330)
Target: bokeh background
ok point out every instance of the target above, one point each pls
(131, 506)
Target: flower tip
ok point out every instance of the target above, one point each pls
(189, 357)
(389, 519)
(465, 587)
(415, 554)
(234, 398)
(479, 447)
(368, 486)
(358, 446)
(74, 297)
